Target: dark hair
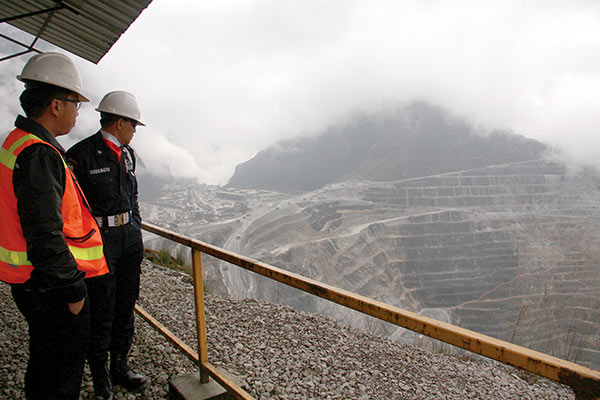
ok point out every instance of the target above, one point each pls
(37, 96)
(107, 119)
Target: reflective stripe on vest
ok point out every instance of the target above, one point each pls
(77, 219)
(7, 157)
(13, 257)
(20, 257)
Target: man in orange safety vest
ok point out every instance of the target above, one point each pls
(49, 240)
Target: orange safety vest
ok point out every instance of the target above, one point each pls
(79, 226)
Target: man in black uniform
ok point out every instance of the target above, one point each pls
(105, 167)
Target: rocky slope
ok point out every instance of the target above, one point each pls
(275, 352)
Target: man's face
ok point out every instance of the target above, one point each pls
(128, 127)
(68, 112)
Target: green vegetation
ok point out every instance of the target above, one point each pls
(164, 258)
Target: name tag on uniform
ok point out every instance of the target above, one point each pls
(99, 170)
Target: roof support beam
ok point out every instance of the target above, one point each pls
(29, 48)
(60, 6)
(19, 54)
(87, 29)
(50, 11)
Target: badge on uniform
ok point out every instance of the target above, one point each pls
(128, 163)
(99, 170)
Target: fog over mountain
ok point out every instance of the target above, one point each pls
(417, 209)
(416, 140)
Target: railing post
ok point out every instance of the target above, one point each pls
(200, 317)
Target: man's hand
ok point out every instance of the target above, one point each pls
(75, 308)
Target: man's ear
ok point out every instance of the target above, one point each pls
(54, 107)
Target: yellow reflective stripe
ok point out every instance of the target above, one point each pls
(20, 257)
(7, 157)
(88, 254)
(13, 257)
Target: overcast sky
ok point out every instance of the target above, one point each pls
(220, 80)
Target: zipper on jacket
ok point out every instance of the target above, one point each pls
(82, 238)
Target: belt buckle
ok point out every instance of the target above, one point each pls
(119, 219)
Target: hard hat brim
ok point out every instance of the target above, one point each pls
(80, 97)
(120, 115)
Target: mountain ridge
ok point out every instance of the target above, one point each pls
(417, 140)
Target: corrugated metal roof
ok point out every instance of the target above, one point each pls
(85, 28)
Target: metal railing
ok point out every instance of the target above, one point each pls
(585, 382)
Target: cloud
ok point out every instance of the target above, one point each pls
(222, 80)
(167, 159)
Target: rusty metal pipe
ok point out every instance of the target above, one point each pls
(200, 315)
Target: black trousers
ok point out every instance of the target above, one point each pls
(58, 342)
(125, 250)
(101, 292)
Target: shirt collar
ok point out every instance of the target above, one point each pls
(31, 126)
(110, 138)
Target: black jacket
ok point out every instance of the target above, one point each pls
(39, 184)
(110, 186)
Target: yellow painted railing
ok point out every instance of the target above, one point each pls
(584, 381)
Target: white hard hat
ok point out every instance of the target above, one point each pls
(121, 103)
(55, 69)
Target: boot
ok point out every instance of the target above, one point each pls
(122, 375)
(102, 386)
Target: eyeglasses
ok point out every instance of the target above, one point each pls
(133, 122)
(76, 102)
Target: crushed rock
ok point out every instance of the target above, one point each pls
(275, 352)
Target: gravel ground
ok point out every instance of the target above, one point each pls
(275, 352)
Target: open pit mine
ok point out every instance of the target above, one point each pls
(511, 251)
